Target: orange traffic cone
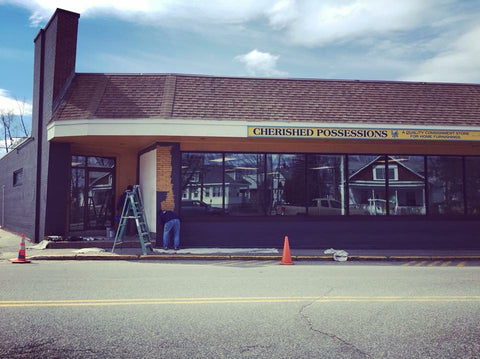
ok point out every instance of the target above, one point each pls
(286, 257)
(21, 253)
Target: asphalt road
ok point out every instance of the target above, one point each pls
(142, 309)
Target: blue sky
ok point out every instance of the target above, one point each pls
(412, 40)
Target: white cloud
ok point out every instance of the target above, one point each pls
(458, 63)
(151, 11)
(10, 104)
(282, 13)
(397, 33)
(260, 63)
(307, 22)
(320, 23)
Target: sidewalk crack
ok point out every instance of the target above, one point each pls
(311, 327)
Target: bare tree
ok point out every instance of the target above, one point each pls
(6, 118)
(20, 116)
(13, 123)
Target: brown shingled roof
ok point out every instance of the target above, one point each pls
(256, 99)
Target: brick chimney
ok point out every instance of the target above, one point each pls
(58, 45)
(54, 69)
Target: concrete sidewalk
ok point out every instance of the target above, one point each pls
(101, 250)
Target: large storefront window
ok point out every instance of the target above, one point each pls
(259, 184)
(367, 185)
(202, 184)
(406, 185)
(326, 185)
(286, 187)
(91, 192)
(445, 185)
(472, 180)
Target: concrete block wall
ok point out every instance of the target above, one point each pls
(17, 203)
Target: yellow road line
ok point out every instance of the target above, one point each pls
(445, 264)
(226, 300)
(461, 264)
(408, 263)
(434, 263)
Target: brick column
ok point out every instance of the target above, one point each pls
(168, 178)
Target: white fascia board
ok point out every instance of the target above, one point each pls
(200, 127)
(146, 127)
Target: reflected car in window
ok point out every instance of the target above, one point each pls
(198, 208)
(317, 207)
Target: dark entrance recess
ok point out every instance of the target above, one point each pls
(91, 193)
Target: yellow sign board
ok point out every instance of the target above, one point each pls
(363, 133)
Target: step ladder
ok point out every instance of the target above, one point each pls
(133, 209)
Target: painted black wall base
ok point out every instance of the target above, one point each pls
(330, 233)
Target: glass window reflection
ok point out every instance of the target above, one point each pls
(445, 185)
(367, 185)
(101, 162)
(286, 184)
(77, 199)
(406, 185)
(325, 183)
(472, 179)
(244, 184)
(202, 184)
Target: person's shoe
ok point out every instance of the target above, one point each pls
(165, 248)
(176, 248)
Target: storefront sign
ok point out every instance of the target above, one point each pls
(363, 133)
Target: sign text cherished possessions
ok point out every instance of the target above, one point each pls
(363, 133)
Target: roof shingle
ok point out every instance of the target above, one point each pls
(255, 99)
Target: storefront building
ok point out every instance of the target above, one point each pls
(245, 161)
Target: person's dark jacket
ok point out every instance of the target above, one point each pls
(166, 216)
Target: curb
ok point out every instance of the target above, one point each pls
(112, 257)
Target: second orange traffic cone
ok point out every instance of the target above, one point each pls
(286, 257)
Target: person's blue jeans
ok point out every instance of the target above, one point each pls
(172, 227)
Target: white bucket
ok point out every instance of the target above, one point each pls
(110, 232)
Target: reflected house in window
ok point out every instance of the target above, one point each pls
(240, 188)
(207, 186)
(406, 187)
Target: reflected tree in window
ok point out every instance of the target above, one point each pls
(286, 184)
(445, 184)
(77, 199)
(245, 184)
(102, 162)
(91, 192)
(472, 177)
(202, 184)
(326, 185)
